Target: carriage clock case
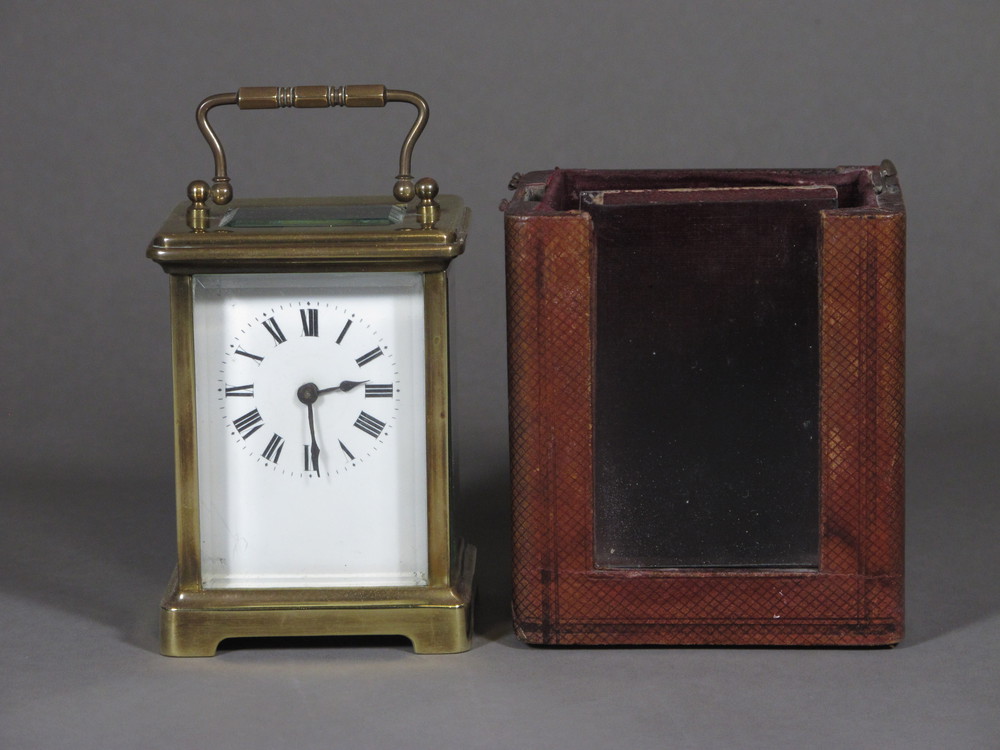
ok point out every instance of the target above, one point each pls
(312, 427)
(706, 406)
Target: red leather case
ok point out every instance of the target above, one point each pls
(853, 594)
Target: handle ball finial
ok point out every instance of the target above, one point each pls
(198, 191)
(426, 189)
(222, 193)
(402, 191)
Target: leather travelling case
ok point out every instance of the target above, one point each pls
(706, 406)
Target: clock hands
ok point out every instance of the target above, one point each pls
(344, 387)
(308, 394)
(313, 446)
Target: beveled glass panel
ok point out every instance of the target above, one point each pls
(313, 216)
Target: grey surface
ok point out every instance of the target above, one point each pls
(99, 143)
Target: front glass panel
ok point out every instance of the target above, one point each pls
(706, 402)
(311, 423)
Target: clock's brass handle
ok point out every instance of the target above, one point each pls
(275, 97)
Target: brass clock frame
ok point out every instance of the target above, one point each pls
(436, 617)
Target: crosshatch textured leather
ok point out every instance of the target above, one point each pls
(855, 596)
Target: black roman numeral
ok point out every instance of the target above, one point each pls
(248, 355)
(248, 424)
(378, 390)
(364, 359)
(310, 461)
(272, 328)
(346, 451)
(273, 450)
(343, 331)
(367, 423)
(310, 321)
(239, 390)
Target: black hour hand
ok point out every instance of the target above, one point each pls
(308, 394)
(345, 386)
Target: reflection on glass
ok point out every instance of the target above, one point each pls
(312, 216)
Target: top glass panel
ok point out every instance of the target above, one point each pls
(245, 217)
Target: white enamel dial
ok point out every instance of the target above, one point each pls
(311, 429)
(309, 388)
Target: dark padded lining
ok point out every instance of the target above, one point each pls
(706, 374)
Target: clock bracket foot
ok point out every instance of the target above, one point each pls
(436, 619)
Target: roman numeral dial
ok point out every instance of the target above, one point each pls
(367, 357)
(344, 330)
(248, 355)
(310, 322)
(272, 327)
(333, 389)
(369, 424)
(248, 424)
(272, 451)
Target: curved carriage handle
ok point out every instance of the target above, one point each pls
(276, 97)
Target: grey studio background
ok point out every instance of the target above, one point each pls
(98, 144)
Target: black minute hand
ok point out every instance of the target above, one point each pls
(314, 446)
(308, 394)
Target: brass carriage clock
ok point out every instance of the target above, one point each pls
(310, 365)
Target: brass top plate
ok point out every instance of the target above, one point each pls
(179, 248)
